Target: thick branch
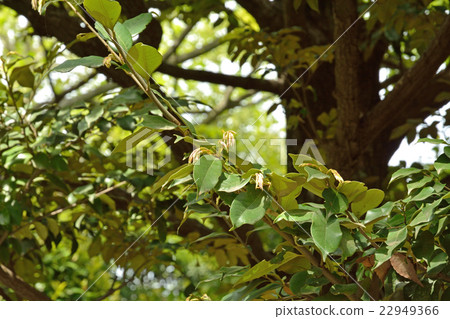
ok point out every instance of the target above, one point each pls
(409, 87)
(218, 78)
(20, 287)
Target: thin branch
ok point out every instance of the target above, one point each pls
(227, 104)
(177, 59)
(178, 41)
(88, 96)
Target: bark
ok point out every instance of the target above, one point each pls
(20, 287)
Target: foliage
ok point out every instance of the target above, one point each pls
(69, 205)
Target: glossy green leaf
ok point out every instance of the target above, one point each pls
(296, 215)
(426, 214)
(138, 24)
(419, 184)
(351, 189)
(424, 193)
(123, 36)
(437, 263)
(371, 199)
(379, 213)
(157, 123)
(403, 173)
(91, 61)
(315, 173)
(248, 207)
(104, 11)
(298, 281)
(144, 59)
(231, 182)
(207, 171)
(326, 233)
(442, 164)
(396, 238)
(179, 172)
(335, 202)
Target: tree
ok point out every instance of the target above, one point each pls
(344, 225)
(405, 38)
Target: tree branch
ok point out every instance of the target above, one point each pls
(89, 95)
(408, 88)
(219, 78)
(178, 41)
(19, 286)
(226, 104)
(195, 53)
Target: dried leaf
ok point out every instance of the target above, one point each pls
(382, 270)
(404, 267)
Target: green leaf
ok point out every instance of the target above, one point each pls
(315, 173)
(347, 245)
(41, 230)
(371, 199)
(298, 281)
(396, 238)
(91, 61)
(94, 115)
(157, 123)
(424, 193)
(42, 161)
(442, 164)
(313, 4)
(436, 141)
(403, 173)
(379, 213)
(207, 171)
(231, 182)
(127, 123)
(326, 233)
(5, 217)
(335, 202)
(419, 184)
(23, 76)
(437, 264)
(59, 163)
(351, 189)
(248, 207)
(426, 214)
(177, 173)
(104, 11)
(123, 36)
(144, 59)
(423, 246)
(132, 140)
(265, 267)
(137, 24)
(295, 215)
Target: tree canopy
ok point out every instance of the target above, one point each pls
(86, 212)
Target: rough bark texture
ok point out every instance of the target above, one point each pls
(20, 287)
